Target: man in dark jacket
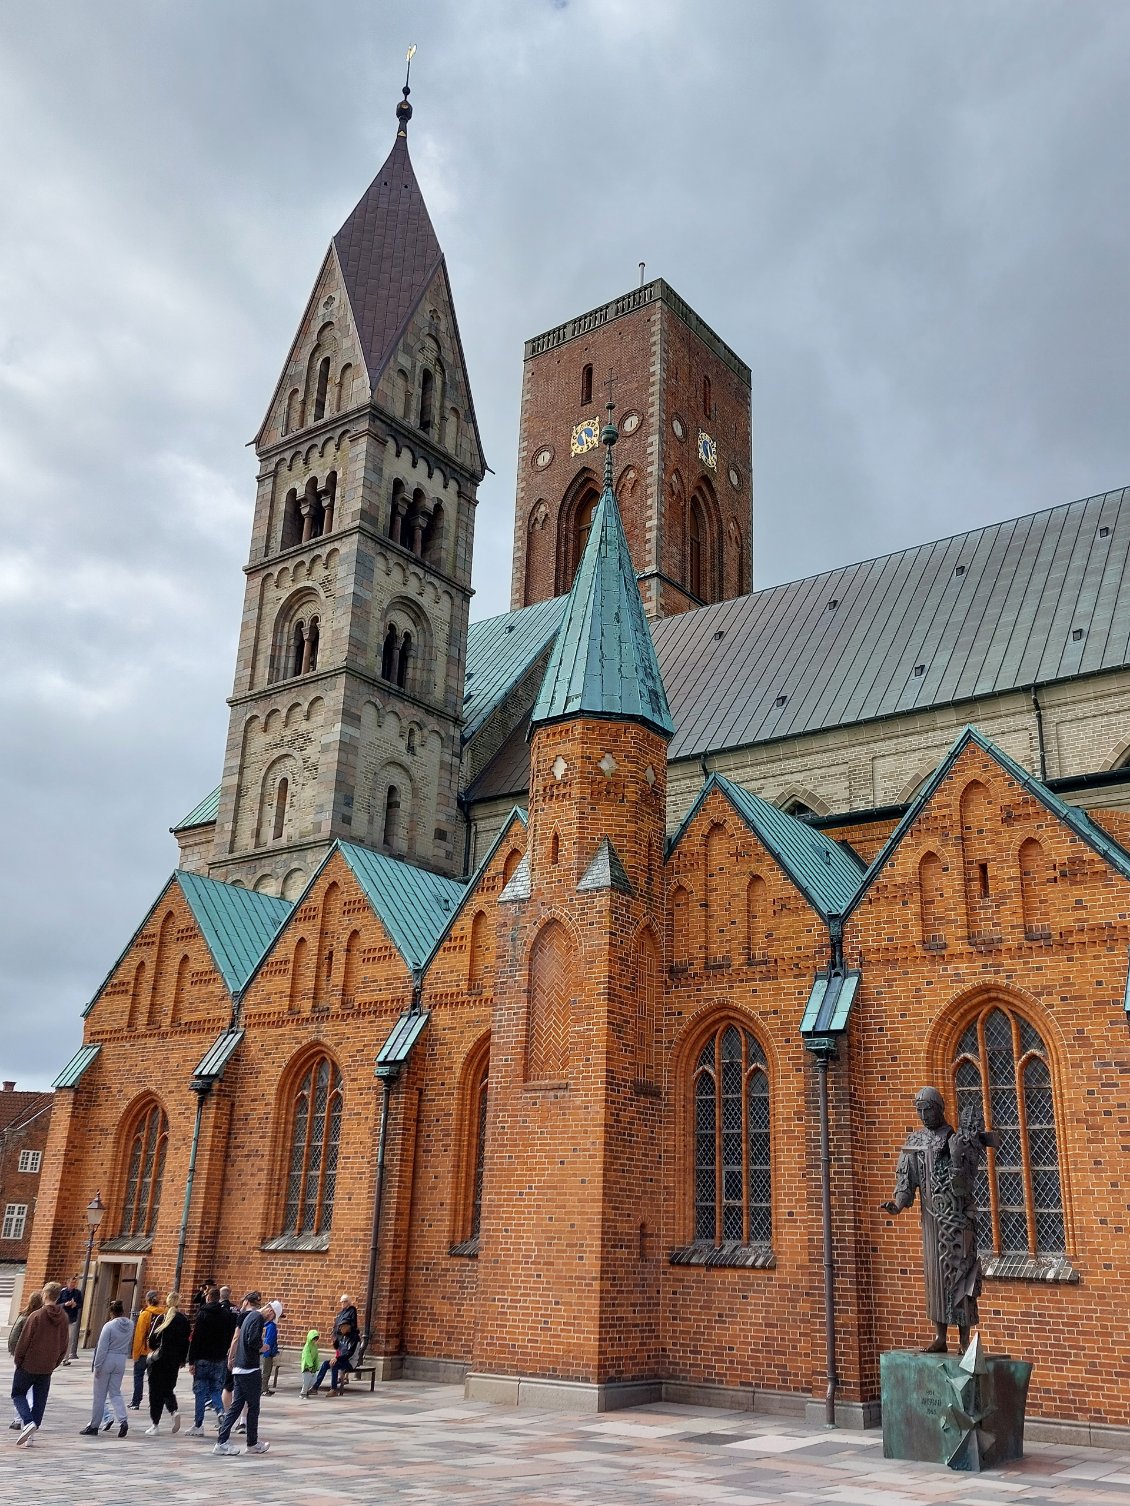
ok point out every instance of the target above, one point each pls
(247, 1377)
(40, 1350)
(208, 1356)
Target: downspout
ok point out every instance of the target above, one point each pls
(1039, 710)
(201, 1088)
(388, 1077)
(823, 1058)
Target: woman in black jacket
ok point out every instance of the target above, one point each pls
(168, 1349)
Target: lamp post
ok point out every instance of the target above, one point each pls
(94, 1211)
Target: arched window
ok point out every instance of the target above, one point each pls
(549, 995)
(134, 1017)
(682, 941)
(797, 807)
(453, 430)
(293, 406)
(479, 1109)
(732, 1168)
(479, 949)
(471, 1152)
(349, 970)
(979, 818)
(427, 400)
(432, 545)
(297, 648)
(554, 850)
(404, 659)
(292, 521)
(717, 855)
(706, 404)
(344, 387)
(391, 832)
(146, 1143)
(396, 508)
(931, 897)
(586, 385)
(1036, 873)
(329, 502)
(757, 919)
(1000, 1068)
(313, 638)
(513, 858)
(696, 574)
(300, 984)
(323, 386)
(180, 992)
(280, 809)
(315, 1138)
(388, 654)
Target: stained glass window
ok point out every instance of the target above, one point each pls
(479, 1103)
(145, 1170)
(1001, 1069)
(314, 1142)
(732, 1172)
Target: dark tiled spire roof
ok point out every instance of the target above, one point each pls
(388, 254)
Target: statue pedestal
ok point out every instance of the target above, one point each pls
(967, 1412)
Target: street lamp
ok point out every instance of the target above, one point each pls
(94, 1211)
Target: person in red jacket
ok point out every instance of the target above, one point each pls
(40, 1350)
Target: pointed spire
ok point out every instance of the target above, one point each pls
(603, 663)
(404, 109)
(388, 250)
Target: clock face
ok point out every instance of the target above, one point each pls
(631, 423)
(678, 428)
(707, 450)
(586, 436)
(543, 458)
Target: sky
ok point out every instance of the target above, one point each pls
(910, 219)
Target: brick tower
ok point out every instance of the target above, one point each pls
(348, 693)
(685, 484)
(568, 1257)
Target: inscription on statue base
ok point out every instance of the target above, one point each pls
(963, 1411)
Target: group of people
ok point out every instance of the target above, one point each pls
(231, 1352)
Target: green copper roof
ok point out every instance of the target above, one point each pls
(203, 814)
(238, 924)
(499, 651)
(603, 663)
(70, 1075)
(414, 906)
(1072, 817)
(827, 874)
(395, 1052)
(210, 1067)
(829, 1003)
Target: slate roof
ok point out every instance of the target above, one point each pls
(414, 906)
(844, 646)
(388, 253)
(603, 662)
(827, 874)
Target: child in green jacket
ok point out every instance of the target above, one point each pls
(309, 1360)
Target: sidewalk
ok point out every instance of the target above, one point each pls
(423, 1443)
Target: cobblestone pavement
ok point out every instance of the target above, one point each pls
(412, 1442)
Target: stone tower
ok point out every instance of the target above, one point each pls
(569, 1251)
(346, 708)
(685, 483)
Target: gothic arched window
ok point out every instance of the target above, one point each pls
(404, 660)
(391, 834)
(147, 1142)
(586, 385)
(550, 987)
(583, 526)
(1000, 1068)
(315, 1138)
(427, 400)
(732, 1170)
(479, 1120)
(323, 386)
(696, 544)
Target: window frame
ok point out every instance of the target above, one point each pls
(142, 1178)
(14, 1224)
(294, 1181)
(30, 1161)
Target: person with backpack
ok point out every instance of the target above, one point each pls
(146, 1320)
(247, 1377)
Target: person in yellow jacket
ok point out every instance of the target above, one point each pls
(145, 1317)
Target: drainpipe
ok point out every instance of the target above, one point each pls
(201, 1089)
(825, 1054)
(388, 1076)
(1039, 710)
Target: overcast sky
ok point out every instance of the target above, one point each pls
(909, 216)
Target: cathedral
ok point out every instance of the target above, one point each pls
(560, 983)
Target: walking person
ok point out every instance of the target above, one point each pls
(40, 1350)
(269, 1354)
(114, 1347)
(34, 1303)
(247, 1377)
(345, 1337)
(236, 1314)
(171, 1339)
(143, 1326)
(70, 1300)
(208, 1357)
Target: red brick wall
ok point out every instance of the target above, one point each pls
(25, 1119)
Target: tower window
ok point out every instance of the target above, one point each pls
(584, 523)
(586, 385)
(323, 387)
(388, 654)
(403, 660)
(391, 835)
(706, 404)
(695, 551)
(280, 809)
(427, 400)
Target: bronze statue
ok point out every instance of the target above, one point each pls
(940, 1164)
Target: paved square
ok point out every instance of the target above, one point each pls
(423, 1443)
